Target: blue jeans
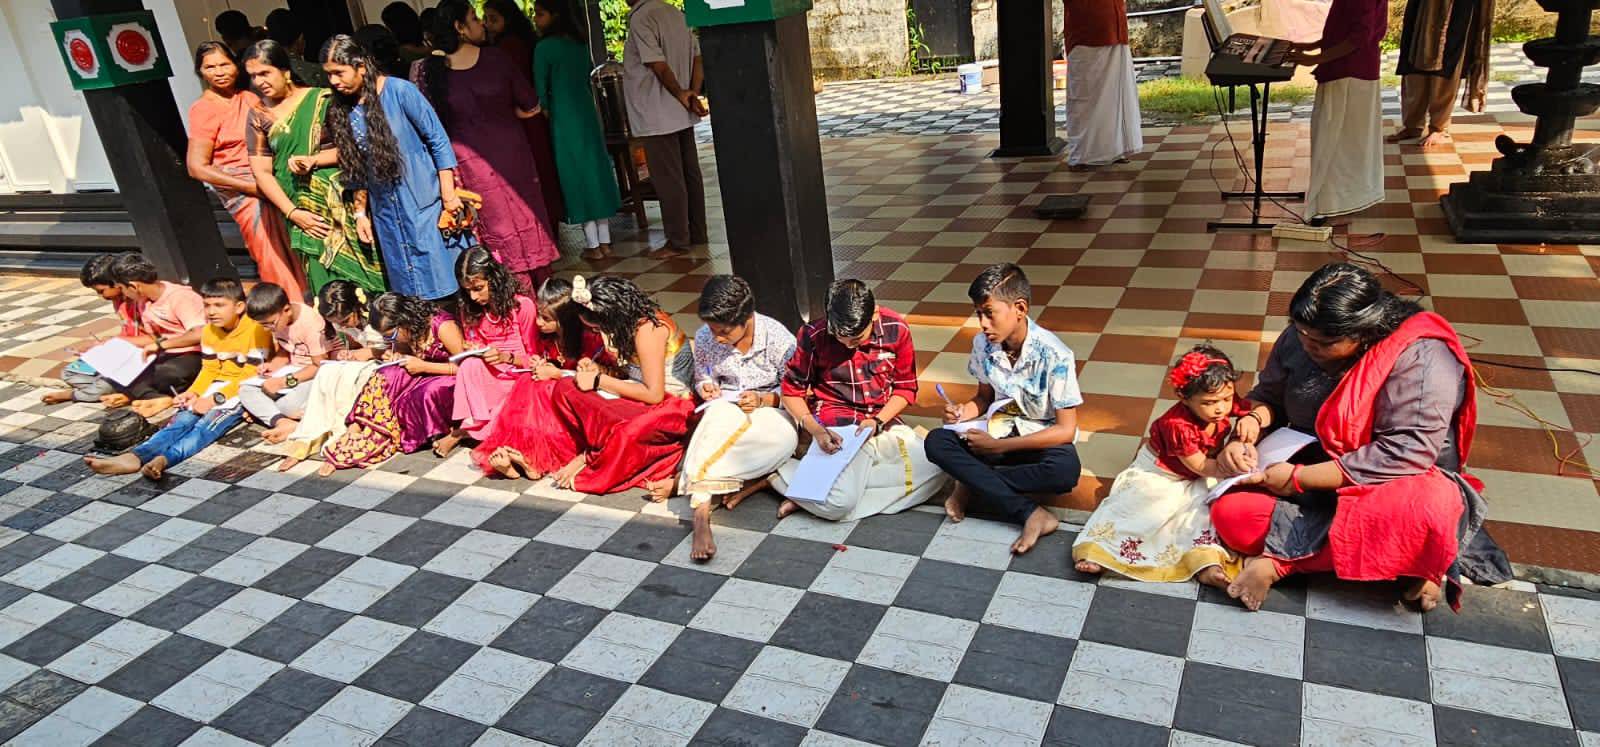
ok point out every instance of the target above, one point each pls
(187, 434)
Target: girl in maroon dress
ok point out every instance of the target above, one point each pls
(482, 99)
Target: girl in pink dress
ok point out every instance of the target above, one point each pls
(504, 325)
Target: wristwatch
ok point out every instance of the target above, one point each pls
(218, 398)
(290, 382)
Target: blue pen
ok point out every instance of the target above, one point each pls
(940, 389)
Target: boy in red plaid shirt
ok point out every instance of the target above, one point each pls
(858, 368)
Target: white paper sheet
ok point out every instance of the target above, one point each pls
(979, 422)
(117, 359)
(724, 397)
(465, 354)
(818, 471)
(259, 380)
(1277, 447)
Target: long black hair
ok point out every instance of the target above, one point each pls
(517, 24)
(617, 307)
(378, 159)
(555, 299)
(477, 262)
(206, 48)
(338, 300)
(436, 69)
(1343, 300)
(270, 52)
(392, 311)
(566, 20)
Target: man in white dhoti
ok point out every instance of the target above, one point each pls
(858, 368)
(1347, 115)
(1102, 95)
(744, 434)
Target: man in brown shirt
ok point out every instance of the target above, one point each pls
(1102, 97)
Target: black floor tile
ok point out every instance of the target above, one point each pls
(425, 726)
(67, 631)
(908, 532)
(1580, 678)
(260, 719)
(150, 727)
(849, 624)
(419, 543)
(537, 567)
(417, 666)
(1135, 619)
(16, 718)
(701, 665)
(563, 707)
(1471, 728)
(418, 599)
(882, 707)
(24, 551)
(786, 561)
(727, 728)
(671, 594)
(117, 532)
(645, 537)
(408, 503)
(1240, 706)
(294, 632)
(526, 516)
(1051, 557)
(1365, 659)
(1287, 596)
(949, 589)
(758, 513)
(1496, 617)
(549, 629)
(1072, 727)
(1016, 662)
(316, 523)
(163, 666)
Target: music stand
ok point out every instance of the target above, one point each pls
(1260, 97)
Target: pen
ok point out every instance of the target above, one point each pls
(940, 389)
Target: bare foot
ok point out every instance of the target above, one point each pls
(1089, 566)
(1251, 587)
(593, 255)
(1213, 576)
(288, 464)
(155, 468)
(660, 490)
(279, 433)
(787, 507)
(1424, 592)
(1434, 140)
(566, 476)
(56, 396)
(955, 506)
(750, 488)
(704, 547)
(124, 464)
(1400, 135)
(511, 464)
(666, 251)
(1040, 523)
(114, 401)
(326, 470)
(149, 408)
(443, 445)
(605, 251)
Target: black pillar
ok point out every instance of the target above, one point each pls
(1027, 101)
(594, 28)
(145, 142)
(769, 163)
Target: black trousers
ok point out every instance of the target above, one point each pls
(1003, 487)
(169, 374)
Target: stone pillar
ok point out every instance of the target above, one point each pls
(145, 143)
(1547, 190)
(1027, 101)
(769, 162)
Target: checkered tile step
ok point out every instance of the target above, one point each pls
(419, 604)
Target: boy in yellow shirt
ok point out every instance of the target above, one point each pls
(232, 346)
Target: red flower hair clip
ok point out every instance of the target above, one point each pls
(1190, 367)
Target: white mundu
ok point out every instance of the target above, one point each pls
(730, 446)
(889, 475)
(1102, 106)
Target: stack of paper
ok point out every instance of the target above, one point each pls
(1277, 447)
(117, 359)
(819, 470)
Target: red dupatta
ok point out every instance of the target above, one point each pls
(1407, 526)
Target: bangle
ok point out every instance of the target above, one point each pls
(359, 214)
(1294, 479)
(1253, 416)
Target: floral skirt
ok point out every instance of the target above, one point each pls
(1154, 526)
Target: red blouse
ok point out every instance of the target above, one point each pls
(1178, 433)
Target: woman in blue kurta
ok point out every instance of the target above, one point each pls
(398, 158)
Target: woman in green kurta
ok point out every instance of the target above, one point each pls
(295, 164)
(561, 68)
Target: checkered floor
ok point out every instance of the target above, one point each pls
(418, 604)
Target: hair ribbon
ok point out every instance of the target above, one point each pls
(1190, 367)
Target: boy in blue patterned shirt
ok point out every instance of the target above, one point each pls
(1004, 459)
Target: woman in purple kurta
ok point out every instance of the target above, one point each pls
(482, 99)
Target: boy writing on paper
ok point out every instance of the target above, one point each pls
(304, 341)
(171, 316)
(1024, 451)
(233, 346)
(857, 368)
(84, 384)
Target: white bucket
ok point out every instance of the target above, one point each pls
(971, 75)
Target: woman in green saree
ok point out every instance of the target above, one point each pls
(292, 155)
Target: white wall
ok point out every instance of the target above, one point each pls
(47, 140)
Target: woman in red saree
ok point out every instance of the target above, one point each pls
(629, 430)
(1387, 389)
